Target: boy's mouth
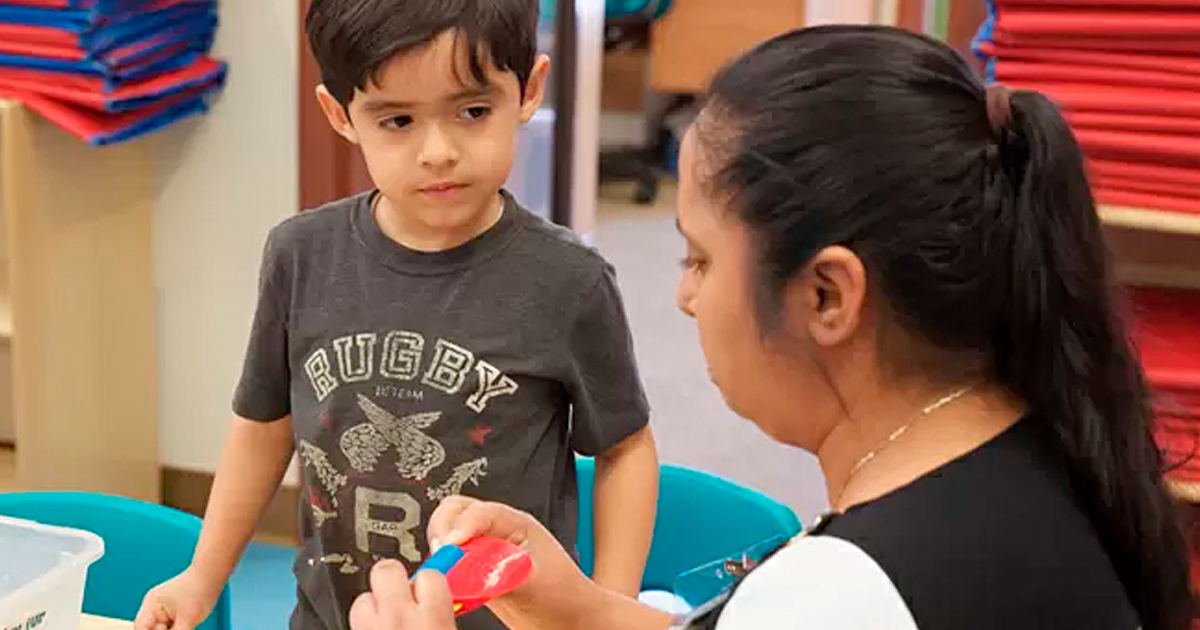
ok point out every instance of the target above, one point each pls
(441, 189)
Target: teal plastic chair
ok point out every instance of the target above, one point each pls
(144, 544)
(701, 518)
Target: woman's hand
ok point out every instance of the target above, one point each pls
(394, 602)
(557, 592)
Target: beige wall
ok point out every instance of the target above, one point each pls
(223, 181)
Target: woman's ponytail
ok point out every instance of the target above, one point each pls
(1064, 349)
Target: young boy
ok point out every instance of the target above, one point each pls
(428, 338)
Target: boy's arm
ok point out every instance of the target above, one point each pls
(259, 446)
(254, 460)
(624, 504)
(610, 420)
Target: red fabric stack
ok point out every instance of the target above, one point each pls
(1127, 75)
(1165, 326)
(1167, 335)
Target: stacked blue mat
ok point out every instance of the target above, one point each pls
(108, 71)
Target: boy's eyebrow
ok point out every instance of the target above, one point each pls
(375, 105)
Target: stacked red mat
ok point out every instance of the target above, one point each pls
(109, 70)
(1127, 74)
(1165, 328)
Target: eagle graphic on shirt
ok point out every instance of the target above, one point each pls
(417, 454)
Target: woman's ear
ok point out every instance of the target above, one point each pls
(826, 299)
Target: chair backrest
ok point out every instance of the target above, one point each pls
(144, 544)
(701, 518)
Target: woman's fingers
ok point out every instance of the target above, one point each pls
(456, 522)
(432, 594)
(444, 519)
(364, 613)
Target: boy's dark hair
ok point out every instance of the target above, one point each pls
(353, 39)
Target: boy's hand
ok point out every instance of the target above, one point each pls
(181, 603)
(394, 602)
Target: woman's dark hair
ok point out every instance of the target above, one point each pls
(352, 39)
(984, 243)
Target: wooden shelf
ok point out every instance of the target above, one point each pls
(78, 225)
(1151, 220)
(1154, 247)
(6, 327)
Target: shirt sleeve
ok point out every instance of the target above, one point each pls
(264, 390)
(817, 582)
(608, 403)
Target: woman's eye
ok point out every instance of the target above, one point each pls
(693, 263)
(477, 112)
(396, 122)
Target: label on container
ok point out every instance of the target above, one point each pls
(33, 621)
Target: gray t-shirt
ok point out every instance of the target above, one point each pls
(411, 376)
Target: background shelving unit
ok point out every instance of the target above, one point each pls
(77, 308)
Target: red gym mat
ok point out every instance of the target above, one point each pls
(1003, 40)
(1019, 70)
(1165, 326)
(89, 92)
(1100, 3)
(1116, 121)
(99, 128)
(1129, 199)
(1170, 148)
(1175, 64)
(1100, 167)
(1114, 98)
(1117, 23)
(1149, 187)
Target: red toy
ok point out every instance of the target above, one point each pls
(480, 570)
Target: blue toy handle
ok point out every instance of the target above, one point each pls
(442, 560)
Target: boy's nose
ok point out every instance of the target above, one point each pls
(437, 149)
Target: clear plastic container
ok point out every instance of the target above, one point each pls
(43, 570)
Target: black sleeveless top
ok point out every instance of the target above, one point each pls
(994, 540)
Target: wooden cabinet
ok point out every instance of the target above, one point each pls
(78, 243)
(696, 37)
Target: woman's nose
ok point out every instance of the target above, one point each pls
(685, 295)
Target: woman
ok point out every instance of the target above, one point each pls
(903, 273)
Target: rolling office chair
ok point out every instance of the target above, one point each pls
(627, 26)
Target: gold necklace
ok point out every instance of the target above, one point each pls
(938, 404)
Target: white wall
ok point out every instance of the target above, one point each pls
(223, 180)
(839, 11)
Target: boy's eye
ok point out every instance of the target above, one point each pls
(396, 122)
(476, 112)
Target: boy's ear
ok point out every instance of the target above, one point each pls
(336, 115)
(535, 89)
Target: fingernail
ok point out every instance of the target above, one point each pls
(388, 565)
